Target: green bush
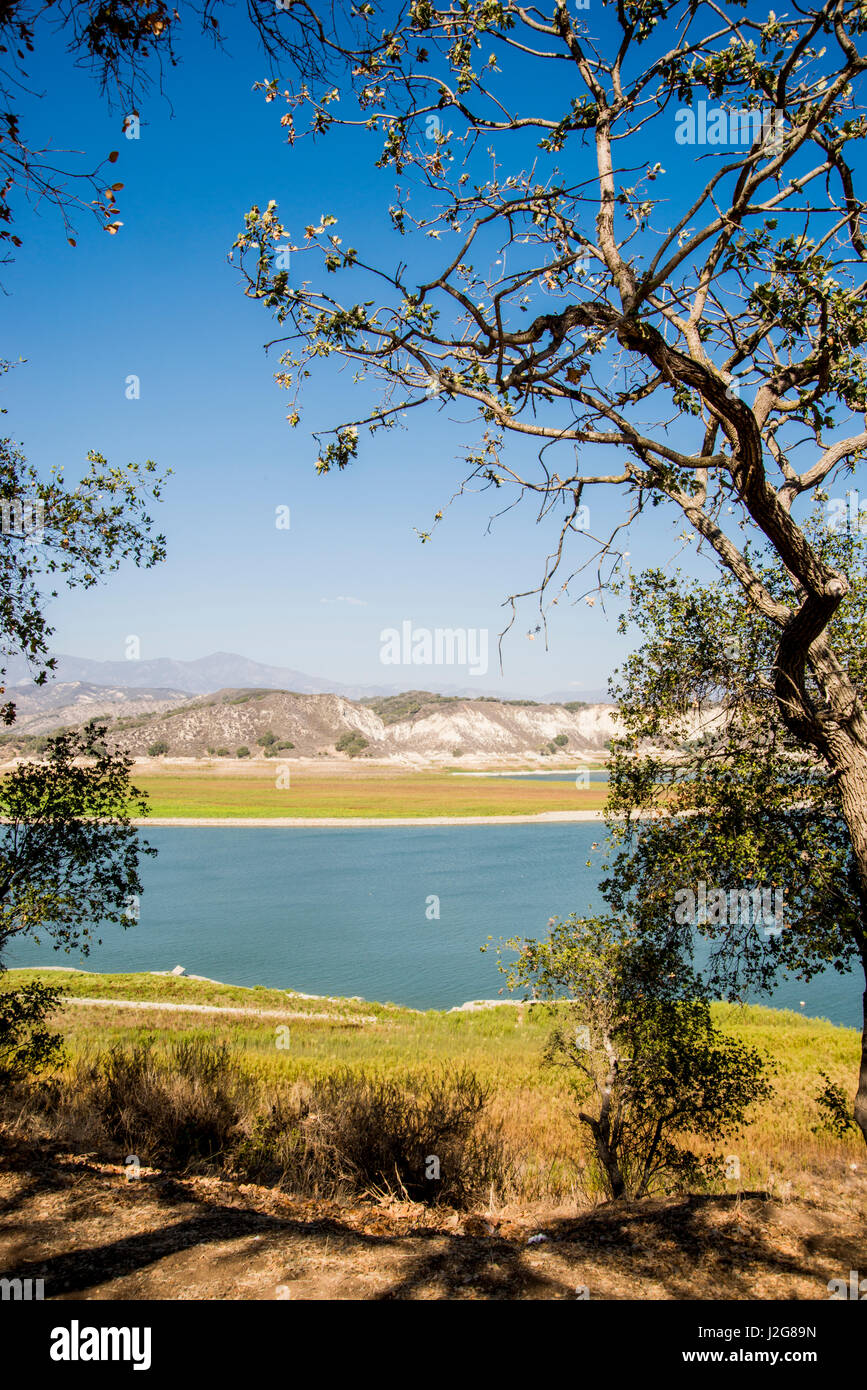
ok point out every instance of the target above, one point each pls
(156, 750)
(26, 1045)
(351, 743)
(242, 752)
(648, 1069)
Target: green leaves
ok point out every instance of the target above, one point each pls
(647, 1065)
(744, 802)
(87, 531)
(69, 852)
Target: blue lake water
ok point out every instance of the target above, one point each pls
(594, 774)
(343, 911)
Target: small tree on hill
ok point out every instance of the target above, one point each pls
(352, 743)
(647, 1065)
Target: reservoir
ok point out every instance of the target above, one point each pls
(353, 911)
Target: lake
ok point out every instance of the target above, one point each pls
(344, 911)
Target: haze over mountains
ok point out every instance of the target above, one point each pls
(219, 703)
(227, 670)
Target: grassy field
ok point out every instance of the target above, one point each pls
(380, 792)
(503, 1046)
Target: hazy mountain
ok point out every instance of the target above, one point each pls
(61, 703)
(227, 670)
(198, 677)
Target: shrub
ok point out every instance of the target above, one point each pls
(156, 750)
(285, 745)
(193, 1107)
(26, 1045)
(223, 753)
(560, 740)
(242, 752)
(351, 743)
(181, 1109)
(647, 1067)
(267, 739)
(425, 1141)
(835, 1109)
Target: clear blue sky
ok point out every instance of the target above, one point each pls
(160, 301)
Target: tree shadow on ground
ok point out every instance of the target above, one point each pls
(76, 1270)
(746, 1246)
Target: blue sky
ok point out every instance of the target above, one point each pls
(160, 301)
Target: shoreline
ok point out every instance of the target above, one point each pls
(294, 996)
(359, 822)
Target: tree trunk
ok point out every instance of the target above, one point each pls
(838, 731)
(861, 1097)
(853, 788)
(605, 1155)
(609, 1163)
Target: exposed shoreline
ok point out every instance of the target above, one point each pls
(358, 822)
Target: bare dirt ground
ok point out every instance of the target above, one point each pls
(90, 1232)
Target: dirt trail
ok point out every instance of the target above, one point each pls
(167, 1005)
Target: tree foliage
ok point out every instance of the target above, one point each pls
(649, 1069)
(692, 337)
(69, 851)
(52, 533)
(27, 1045)
(128, 46)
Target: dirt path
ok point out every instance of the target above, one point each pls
(215, 1009)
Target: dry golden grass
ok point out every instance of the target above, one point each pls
(778, 1151)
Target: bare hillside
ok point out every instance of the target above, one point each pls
(418, 726)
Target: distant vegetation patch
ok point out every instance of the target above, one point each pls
(351, 743)
(392, 708)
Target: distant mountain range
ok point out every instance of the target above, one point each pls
(227, 670)
(62, 704)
